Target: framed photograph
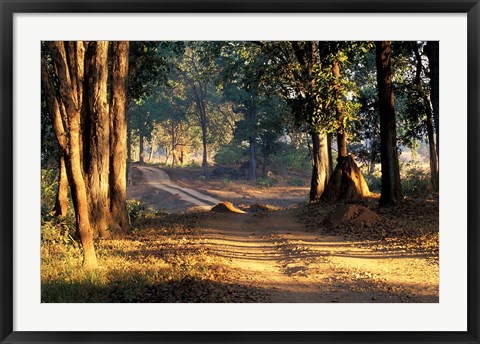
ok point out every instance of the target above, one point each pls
(239, 171)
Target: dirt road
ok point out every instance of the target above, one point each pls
(274, 252)
(154, 178)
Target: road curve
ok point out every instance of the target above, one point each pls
(159, 179)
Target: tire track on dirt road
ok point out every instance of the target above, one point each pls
(159, 179)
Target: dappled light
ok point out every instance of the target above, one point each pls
(240, 172)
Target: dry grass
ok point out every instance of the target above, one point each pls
(153, 265)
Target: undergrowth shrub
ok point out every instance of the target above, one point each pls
(55, 229)
(266, 182)
(296, 181)
(416, 181)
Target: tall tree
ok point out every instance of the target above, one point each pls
(198, 75)
(91, 134)
(391, 187)
(432, 51)
(118, 136)
(346, 181)
(426, 106)
(312, 109)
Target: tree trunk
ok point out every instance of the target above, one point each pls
(429, 120)
(346, 181)
(64, 107)
(129, 145)
(92, 135)
(330, 156)
(96, 144)
(204, 142)
(141, 149)
(339, 115)
(434, 177)
(432, 51)
(320, 166)
(264, 165)
(252, 166)
(391, 187)
(118, 140)
(61, 201)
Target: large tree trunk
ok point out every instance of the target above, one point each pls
(96, 147)
(432, 51)
(391, 187)
(330, 156)
(61, 200)
(92, 137)
(252, 166)
(339, 115)
(429, 120)
(118, 139)
(320, 166)
(64, 109)
(432, 149)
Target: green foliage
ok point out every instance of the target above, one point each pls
(136, 210)
(59, 230)
(266, 182)
(374, 181)
(231, 154)
(415, 181)
(226, 181)
(289, 157)
(296, 181)
(54, 229)
(48, 187)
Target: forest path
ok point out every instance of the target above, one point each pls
(273, 251)
(156, 178)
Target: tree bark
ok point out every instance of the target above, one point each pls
(429, 121)
(129, 145)
(152, 148)
(141, 147)
(434, 175)
(391, 187)
(432, 51)
(204, 142)
(61, 201)
(96, 143)
(118, 139)
(339, 115)
(330, 156)
(91, 135)
(320, 168)
(64, 107)
(252, 166)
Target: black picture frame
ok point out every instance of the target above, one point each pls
(10, 7)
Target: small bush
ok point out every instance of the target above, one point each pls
(49, 185)
(266, 182)
(296, 182)
(374, 181)
(136, 210)
(416, 181)
(231, 154)
(226, 181)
